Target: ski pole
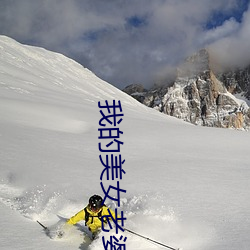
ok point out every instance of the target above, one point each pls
(45, 228)
(159, 243)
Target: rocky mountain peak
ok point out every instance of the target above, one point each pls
(200, 96)
(196, 64)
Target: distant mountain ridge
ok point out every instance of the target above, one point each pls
(202, 96)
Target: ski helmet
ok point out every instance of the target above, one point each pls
(95, 202)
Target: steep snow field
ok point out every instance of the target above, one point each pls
(187, 186)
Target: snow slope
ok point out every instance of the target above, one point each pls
(187, 186)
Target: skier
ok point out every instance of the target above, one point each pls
(92, 214)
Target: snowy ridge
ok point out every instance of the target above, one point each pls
(187, 186)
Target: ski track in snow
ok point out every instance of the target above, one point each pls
(146, 210)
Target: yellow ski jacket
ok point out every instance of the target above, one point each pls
(94, 223)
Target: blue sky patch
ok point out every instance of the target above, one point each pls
(136, 21)
(219, 17)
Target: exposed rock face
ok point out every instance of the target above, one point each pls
(237, 81)
(137, 91)
(199, 97)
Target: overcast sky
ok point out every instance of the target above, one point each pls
(131, 41)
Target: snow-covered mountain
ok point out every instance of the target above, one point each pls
(187, 186)
(201, 96)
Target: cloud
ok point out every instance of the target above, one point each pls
(124, 42)
(233, 49)
(228, 28)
